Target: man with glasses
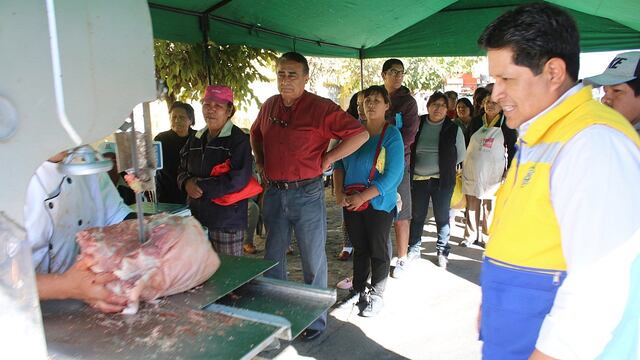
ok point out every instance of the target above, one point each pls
(403, 113)
(289, 139)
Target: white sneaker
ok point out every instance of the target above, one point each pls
(399, 269)
(442, 261)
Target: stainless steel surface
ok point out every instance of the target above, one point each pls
(275, 320)
(84, 160)
(8, 119)
(300, 304)
(136, 172)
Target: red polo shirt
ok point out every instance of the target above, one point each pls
(295, 138)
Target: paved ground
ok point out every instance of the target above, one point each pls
(428, 314)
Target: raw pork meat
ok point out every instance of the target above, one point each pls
(176, 257)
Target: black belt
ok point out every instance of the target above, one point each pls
(287, 185)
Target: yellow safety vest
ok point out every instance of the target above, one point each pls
(525, 231)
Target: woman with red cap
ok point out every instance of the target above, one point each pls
(216, 164)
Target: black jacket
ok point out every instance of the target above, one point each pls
(447, 152)
(166, 178)
(198, 157)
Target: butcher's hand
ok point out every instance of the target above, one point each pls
(83, 284)
(193, 190)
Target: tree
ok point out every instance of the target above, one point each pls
(422, 74)
(182, 68)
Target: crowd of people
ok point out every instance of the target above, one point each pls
(548, 173)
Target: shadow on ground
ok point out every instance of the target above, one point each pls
(339, 335)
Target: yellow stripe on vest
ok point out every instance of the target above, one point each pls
(525, 231)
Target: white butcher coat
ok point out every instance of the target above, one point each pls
(58, 206)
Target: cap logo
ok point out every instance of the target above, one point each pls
(615, 62)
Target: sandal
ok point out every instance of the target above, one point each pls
(345, 254)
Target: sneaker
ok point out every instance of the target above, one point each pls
(363, 302)
(350, 300)
(414, 253)
(464, 243)
(399, 269)
(374, 306)
(249, 249)
(442, 261)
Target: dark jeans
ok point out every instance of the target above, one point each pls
(369, 233)
(421, 192)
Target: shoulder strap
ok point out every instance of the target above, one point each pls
(378, 148)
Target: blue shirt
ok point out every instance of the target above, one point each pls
(387, 176)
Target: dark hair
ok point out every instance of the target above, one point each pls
(353, 106)
(233, 109)
(186, 107)
(489, 88)
(296, 57)
(378, 89)
(478, 99)
(451, 94)
(536, 33)
(389, 63)
(435, 97)
(466, 102)
(635, 85)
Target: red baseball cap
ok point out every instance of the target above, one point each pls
(218, 93)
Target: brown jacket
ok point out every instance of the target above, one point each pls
(404, 106)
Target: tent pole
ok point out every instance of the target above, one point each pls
(361, 69)
(204, 26)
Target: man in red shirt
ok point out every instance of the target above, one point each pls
(289, 139)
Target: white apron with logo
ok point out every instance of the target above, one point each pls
(485, 162)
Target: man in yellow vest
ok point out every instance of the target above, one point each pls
(571, 194)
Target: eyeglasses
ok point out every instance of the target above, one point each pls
(394, 72)
(282, 123)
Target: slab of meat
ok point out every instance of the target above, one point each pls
(176, 257)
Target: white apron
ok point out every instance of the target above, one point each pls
(484, 162)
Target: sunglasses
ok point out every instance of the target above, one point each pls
(282, 123)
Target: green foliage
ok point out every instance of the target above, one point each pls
(422, 74)
(182, 68)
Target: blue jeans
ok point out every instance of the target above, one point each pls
(421, 192)
(302, 211)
